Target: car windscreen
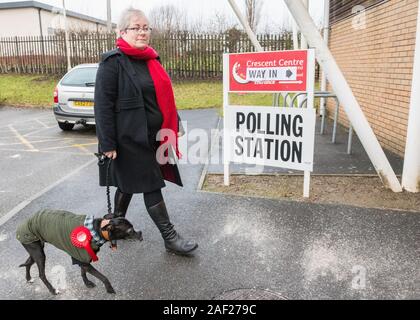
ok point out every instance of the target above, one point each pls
(81, 77)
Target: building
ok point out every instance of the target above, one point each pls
(373, 42)
(32, 18)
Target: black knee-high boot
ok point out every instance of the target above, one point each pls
(121, 203)
(173, 241)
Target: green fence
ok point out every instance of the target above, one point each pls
(185, 55)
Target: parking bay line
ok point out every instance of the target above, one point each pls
(78, 146)
(36, 131)
(20, 122)
(82, 146)
(66, 138)
(52, 152)
(19, 143)
(46, 117)
(42, 123)
(21, 138)
(25, 203)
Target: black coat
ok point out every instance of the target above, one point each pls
(121, 125)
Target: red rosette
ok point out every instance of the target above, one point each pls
(80, 238)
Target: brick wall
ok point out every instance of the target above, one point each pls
(377, 62)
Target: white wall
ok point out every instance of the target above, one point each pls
(56, 21)
(25, 22)
(19, 22)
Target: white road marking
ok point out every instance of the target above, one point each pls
(42, 123)
(25, 203)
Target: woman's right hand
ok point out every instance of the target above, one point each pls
(111, 154)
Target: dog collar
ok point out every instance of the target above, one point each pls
(80, 238)
(96, 237)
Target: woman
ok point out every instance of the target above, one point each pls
(133, 101)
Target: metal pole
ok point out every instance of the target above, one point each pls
(411, 169)
(310, 105)
(19, 59)
(303, 46)
(350, 140)
(109, 18)
(252, 37)
(345, 95)
(336, 113)
(295, 36)
(303, 42)
(246, 26)
(295, 43)
(323, 77)
(66, 37)
(226, 133)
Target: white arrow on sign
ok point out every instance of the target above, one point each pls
(291, 82)
(271, 74)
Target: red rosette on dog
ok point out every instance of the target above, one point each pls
(80, 238)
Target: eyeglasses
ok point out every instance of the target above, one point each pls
(139, 29)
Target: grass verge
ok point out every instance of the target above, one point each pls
(27, 90)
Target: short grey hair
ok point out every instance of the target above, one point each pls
(126, 16)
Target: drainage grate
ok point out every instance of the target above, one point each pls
(249, 294)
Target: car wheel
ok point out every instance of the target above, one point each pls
(66, 126)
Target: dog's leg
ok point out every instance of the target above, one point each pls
(36, 250)
(87, 282)
(28, 264)
(90, 269)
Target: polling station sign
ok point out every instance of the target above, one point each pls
(270, 136)
(276, 71)
(277, 137)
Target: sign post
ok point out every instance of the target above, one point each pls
(278, 137)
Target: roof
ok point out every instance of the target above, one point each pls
(46, 7)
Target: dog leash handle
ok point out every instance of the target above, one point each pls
(108, 193)
(101, 161)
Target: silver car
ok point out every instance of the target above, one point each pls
(74, 97)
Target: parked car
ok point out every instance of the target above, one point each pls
(74, 97)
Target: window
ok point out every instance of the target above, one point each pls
(81, 77)
(342, 9)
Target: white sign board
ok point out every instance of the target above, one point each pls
(271, 136)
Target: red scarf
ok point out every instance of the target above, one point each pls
(163, 87)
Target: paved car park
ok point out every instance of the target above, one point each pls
(296, 249)
(35, 153)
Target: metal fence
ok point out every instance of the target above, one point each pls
(184, 55)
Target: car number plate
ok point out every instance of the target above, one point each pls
(83, 103)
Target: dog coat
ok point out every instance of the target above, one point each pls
(55, 227)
